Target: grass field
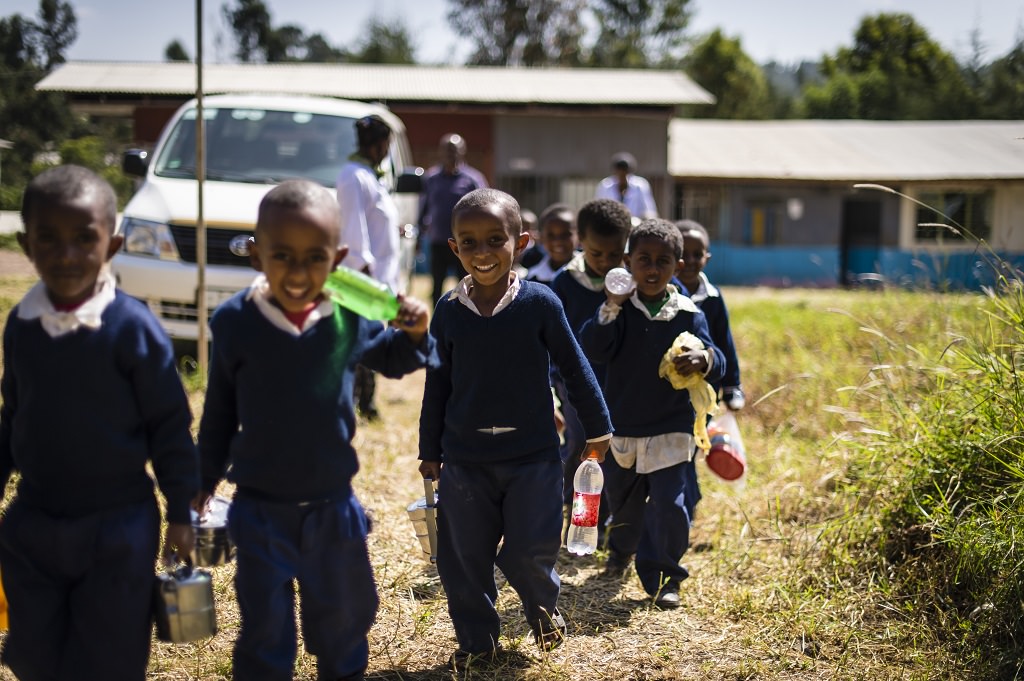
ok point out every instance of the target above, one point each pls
(778, 589)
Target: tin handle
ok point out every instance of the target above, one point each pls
(431, 517)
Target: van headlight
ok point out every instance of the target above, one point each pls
(142, 237)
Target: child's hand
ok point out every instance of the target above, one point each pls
(600, 447)
(616, 299)
(691, 362)
(430, 469)
(413, 318)
(180, 540)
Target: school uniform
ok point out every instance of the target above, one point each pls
(278, 422)
(646, 473)
(581, 295)
(89, 398)
(487, 418)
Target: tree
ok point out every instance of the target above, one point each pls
(56, 30)
(895, 72)
(175, 51)
(639, 33)
(386, 43)
(1002, 86)
(32, 120)
(721, 67)
(321, 51)
(520, 32)
(250, 22)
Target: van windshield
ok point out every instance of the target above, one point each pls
(260, 146)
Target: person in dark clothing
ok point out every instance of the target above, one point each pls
(487, 431)
(278, 421)
(443, 185)
(91, 397)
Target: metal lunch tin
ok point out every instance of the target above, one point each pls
(424, 521)
(213, 545)
(183, 605)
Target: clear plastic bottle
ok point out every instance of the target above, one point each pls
(586, 502)
(362, 294)
(619, 281)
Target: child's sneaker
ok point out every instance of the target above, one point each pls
(551, 633)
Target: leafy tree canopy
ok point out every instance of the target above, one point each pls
(519, 32)
(893, 71)
(639, 33)
(721, 67)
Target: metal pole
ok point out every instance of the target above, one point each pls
(201, 311)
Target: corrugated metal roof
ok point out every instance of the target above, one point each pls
(847, 150)
(388, 82)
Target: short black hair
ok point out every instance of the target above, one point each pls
(624, 160)
(687, 227)
(488, 196)
(552, 212)
(660, 229)
(69, 182)
(604, 217)
(370, 130)
(299, 195)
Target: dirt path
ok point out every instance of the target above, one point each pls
(14, 263)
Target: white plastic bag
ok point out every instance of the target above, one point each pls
(727, 458)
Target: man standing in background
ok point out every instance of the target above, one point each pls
(443, 185)
(627, 188)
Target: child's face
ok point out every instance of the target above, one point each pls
(484, 245)
(69, 240)
(695, 256)
(602, 252)
(296, 249)
(653, 263)
(558, 235)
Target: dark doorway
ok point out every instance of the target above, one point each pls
(860, 239)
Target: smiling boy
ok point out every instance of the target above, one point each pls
(278, 421)
(487, 433)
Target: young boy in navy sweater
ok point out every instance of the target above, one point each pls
(711, 302)
(646, 476)
(486, 431)
(279, 421)
(557, 225)
(603, 226)
(90, 396)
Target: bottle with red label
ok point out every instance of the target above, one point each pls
(586, 502)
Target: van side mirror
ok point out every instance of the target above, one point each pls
(135, 162)
(410, 181)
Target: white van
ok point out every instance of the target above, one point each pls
(252, 143)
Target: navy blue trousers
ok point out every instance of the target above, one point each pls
(79, 592)
(650, 518)
(322, 548)
(479, 506)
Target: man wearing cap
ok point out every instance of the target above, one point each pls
(625, 187)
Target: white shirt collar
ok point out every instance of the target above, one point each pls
(704, 291)
(462, 290)
(577, 269)
(676, 303)
(36, 305)
(259, 293)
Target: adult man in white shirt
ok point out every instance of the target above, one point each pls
(627, 188)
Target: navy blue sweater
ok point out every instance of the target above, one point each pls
(279, 407)
(642, 403)
(83, 413)
(717, 314)
(490, 400)
(580, 303)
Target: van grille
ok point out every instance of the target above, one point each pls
(217, 240)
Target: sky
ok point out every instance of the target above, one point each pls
(785, 31)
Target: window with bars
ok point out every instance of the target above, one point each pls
(954, 216)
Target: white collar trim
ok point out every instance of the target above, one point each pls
(462, 290)
(259, 293)
(705, 290)
(37, 305)
(675, 304)
(577, 269)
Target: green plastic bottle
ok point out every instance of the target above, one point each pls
(362, 294)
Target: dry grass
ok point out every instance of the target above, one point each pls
(771, 594)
